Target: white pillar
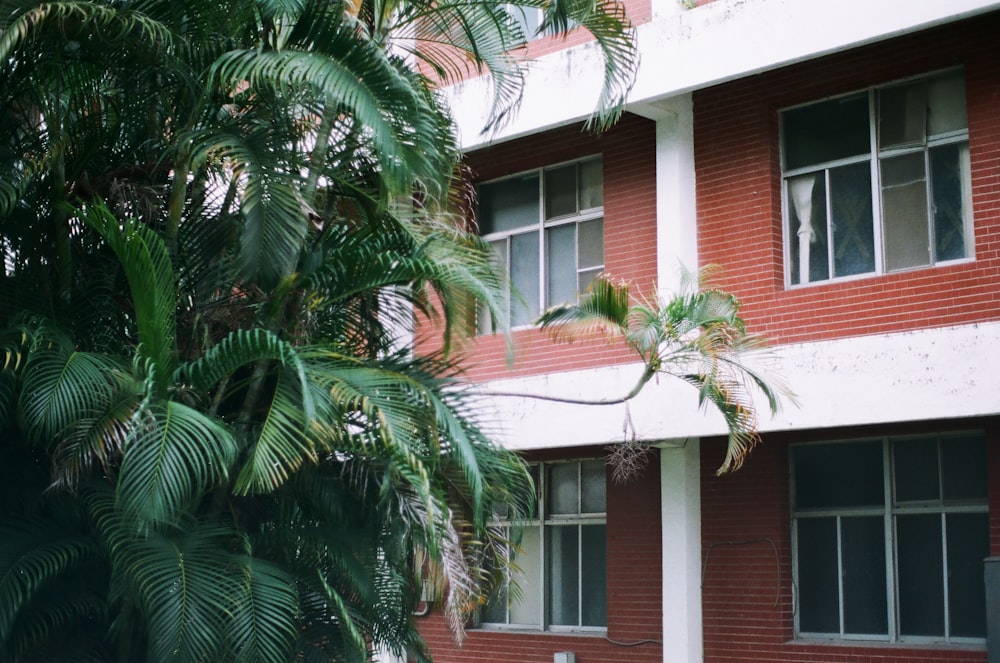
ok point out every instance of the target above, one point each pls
(680, 505)
(676, 215)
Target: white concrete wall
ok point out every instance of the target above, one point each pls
(911, 376)
(687, 49)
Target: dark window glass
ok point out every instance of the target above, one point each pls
(968, 545)
(949, 201)
(594, 581)
(916, 466)
(508, 204)
(845, 131)
(560, 191)
(903, 115)
(963, 462)
(863, 552)
(838, 475)
(818, 587)
(564, 574)
(921, 582)
(853, 229)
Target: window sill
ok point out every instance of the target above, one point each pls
(877, 275)
(592, 632)
(884, 644)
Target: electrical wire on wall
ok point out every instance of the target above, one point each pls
(747, 542)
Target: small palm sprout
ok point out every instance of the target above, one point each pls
(697, 336)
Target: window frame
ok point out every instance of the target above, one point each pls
(874, 157)
(889, 511)
(543, 523)
(541, 226)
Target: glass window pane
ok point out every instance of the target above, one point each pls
(947, 163)
(963, 462)
(902, 115)
(594, 602)
(594, 493)
(584, 279)
(563, 489)
(808, 242)
(838, 475)
(560, 267)
(853, 230)
(946, 103)
(915, 463)
(968, 546)
(560, 191)
(484, 321)
(819, 602)
(826, 131)
(495, 610)
(919, 552)
(526, 602)
(591, 184)
(904, 212)
(525, 305)
(863, 548)
(564, 573)
(590, 241)
(508, 204)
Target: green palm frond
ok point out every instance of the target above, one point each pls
(285, 441)
(186, 584)
(611, 29)
(173, 454)
(35, 552)
(264, 613)
(60, 387)
(147, 266)
(460, 38)
(697, 336)
(112, 21)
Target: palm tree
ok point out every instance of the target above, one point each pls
(696, 335)
(215, 219)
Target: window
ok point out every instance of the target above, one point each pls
(877, 181)
(529, 20)
(890, 537)
(547, 230)
(560, 570)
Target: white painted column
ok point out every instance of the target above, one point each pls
(680, 505)
(676, 213)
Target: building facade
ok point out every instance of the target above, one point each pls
(841, 163)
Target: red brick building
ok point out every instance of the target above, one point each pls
(841, 162)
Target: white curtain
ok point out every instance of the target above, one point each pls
(801, 191)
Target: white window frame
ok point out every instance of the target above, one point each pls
(874, 158)
(543, 523)
(888, 511)
(540, 226)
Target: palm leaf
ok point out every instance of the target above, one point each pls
(150, 274)
(61, 387)
(173, 454)
(265, 614)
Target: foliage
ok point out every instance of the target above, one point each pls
(215, 219)
(698, 336)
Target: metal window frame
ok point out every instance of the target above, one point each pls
(889, 511)
(544, 522)
(874, 158)
(542, 224)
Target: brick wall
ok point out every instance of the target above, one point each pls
(634, 591)
(747, 556)
(629, 160)
(739, 197)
